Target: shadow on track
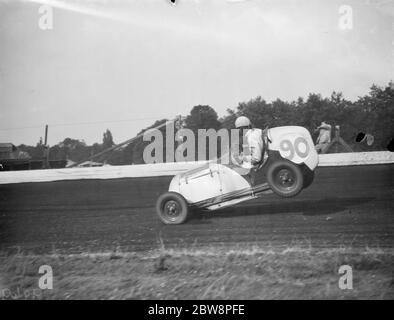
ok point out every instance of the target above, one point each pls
(306, 207)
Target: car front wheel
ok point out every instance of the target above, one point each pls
(172, 208)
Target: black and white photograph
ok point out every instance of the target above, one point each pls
(208, 151)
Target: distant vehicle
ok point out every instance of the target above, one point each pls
(288, 167)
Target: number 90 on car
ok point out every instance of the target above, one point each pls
(294, 148)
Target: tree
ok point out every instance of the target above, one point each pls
(202, 117)
(374, 114)
(69, 148)
(108, 141)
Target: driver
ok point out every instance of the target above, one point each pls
(253, 146)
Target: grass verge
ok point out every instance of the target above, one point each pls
(248, 272)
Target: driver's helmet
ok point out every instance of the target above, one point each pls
(242, 122)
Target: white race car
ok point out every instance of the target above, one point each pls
(288, 166)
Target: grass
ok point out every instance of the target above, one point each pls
(216, 272)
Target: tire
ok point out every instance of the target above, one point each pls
(309, 176)
(285, 178)
(172, 208)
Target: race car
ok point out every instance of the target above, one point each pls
(288, 166)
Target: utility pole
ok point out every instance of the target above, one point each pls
(46, 135)
(46, 149)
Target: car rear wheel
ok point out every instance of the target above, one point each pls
(172, 208)
(285, 178)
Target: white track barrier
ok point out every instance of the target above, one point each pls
(171, 169)
(356, 158)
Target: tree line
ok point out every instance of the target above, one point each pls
(372, 113)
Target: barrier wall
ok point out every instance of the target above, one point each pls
(170, 169)
(356, 158)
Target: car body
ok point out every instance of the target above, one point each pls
(289, 163)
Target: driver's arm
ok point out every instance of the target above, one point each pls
(255, 143)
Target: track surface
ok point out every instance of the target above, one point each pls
(345, 206)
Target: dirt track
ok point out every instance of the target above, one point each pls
(345, 206)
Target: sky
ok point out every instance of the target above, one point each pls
(123, 64)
